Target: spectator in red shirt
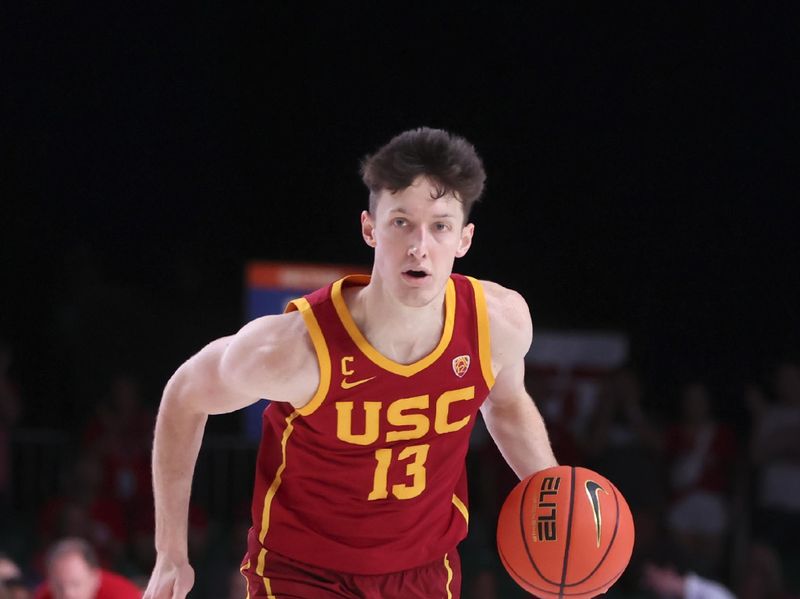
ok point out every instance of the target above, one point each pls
(73, 572)
(83, 510)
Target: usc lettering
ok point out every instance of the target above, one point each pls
(407, 414)
(405, 419)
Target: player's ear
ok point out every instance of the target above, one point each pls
(466, 240)
(368, 228)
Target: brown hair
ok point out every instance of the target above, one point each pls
(450, 162)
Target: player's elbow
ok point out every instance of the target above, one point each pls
(195, 381)
(177, 391)
(499, 414)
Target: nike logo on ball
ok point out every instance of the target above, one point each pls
(592, 489)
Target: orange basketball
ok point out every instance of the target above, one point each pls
(565, 532)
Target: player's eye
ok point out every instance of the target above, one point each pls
(441, 227)
(399, 222)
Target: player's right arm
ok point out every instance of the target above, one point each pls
(509, 412)
(271, 357)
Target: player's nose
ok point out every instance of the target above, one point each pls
(419, 246)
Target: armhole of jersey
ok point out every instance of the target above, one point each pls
(484, 338)
(321, 349)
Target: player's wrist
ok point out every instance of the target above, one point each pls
(171, 553)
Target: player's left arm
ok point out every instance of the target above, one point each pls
(510, 414)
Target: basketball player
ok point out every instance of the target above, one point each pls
(375, 385)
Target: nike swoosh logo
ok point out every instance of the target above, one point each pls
(348, 385)
(592, 488)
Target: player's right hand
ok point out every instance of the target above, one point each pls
(170, 580)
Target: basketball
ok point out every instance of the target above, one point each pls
(565, 532)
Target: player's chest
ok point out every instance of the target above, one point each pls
(368, 405)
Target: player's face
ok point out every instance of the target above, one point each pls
(70, 577)
(416, 240)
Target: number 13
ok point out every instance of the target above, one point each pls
(415, 469)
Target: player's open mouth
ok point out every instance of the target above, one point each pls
(417, 274)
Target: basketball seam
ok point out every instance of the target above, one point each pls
(523, 580)
(525, 536)
(569, 530)
(610, 544)
(522, 530)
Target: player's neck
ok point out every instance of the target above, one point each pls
(400, 332)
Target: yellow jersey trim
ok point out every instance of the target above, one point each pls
(373, 354)
(246, 580)
(273, 489)
(262, 555)
(484, 336)
(321, 348)
(268, 588)
(449, 576)
(461, 507)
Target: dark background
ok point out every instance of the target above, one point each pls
(641, 163)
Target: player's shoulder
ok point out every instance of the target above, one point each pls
(272, 356)
(266, 329)
(506, 307)
(510, 325)
(279, 339)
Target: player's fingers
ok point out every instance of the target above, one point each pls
(178, 592)
(161, 592)
(151, 592)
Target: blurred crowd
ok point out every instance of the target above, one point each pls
(101, 506)
(715, 492)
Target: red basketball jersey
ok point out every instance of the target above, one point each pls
(369, 477)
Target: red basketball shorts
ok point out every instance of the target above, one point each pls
(286, 578)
